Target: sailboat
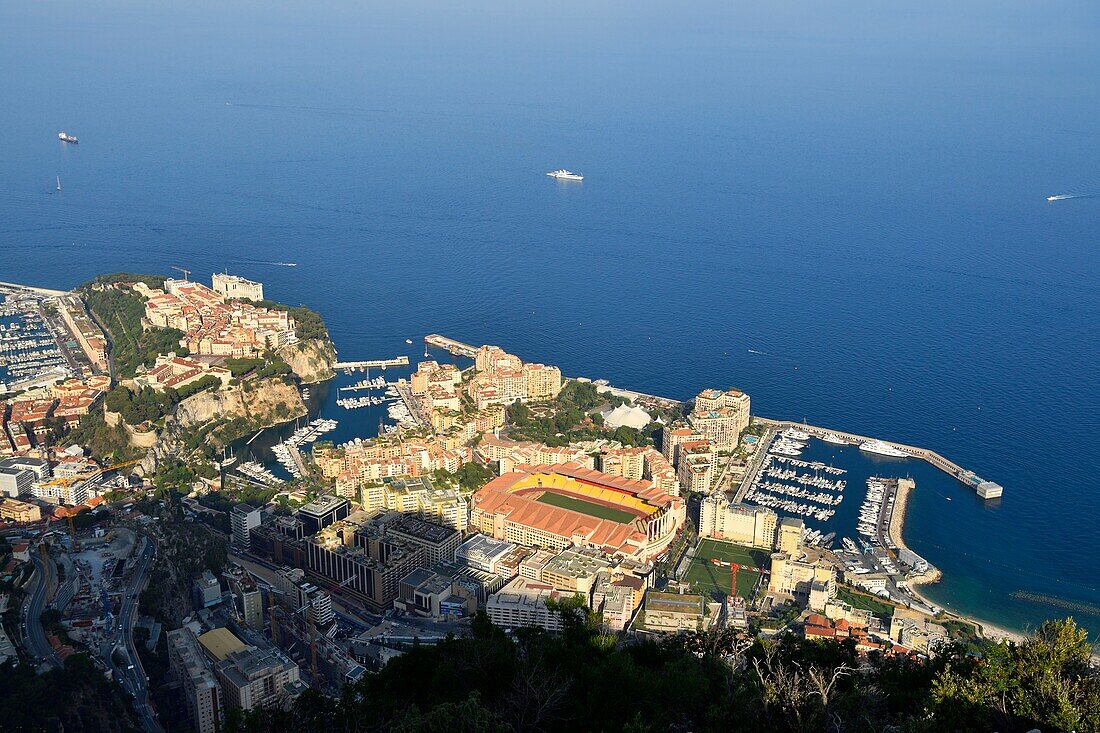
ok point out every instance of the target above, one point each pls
(59, 183)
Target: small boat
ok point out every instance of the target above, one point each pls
(66, 137)
(563, 175)
(408, 341)
(59, 183)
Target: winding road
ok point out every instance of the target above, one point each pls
(34, 636)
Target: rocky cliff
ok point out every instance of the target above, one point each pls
(264, 404)
(311, 360)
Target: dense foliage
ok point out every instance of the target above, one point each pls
(148, 405)
(185, 549)
(569, 418)
(153, 281)
(120, 311)
(102, 440)
(470, 477)
(76, 698)
(308, 324)
(582, 681)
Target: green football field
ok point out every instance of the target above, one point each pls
(587, 507)
(707, 578)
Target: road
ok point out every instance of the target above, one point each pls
(34, 635)
(130, 674)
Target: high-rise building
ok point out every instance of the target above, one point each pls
(739, 523)
(798, 579)
(361, 553)
(253, 678)
(323, 511)
(543, 382)
(721, 416)
(695, 470)
(207, 590)
(202, 695)
(789, 536)
(249, 601)
(15, 482)
(439, 542)
(242, 520)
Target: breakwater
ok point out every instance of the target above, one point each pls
(1067, 605)
(984, 489)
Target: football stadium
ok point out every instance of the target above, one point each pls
(554, 507)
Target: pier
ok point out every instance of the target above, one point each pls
(32, 289)
(457, 348)
(350, 366)
(984, 489)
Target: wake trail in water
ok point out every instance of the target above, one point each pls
(265, 262)
(1066, 196)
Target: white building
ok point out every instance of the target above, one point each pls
(242, 520)
(233, 286)
(522, 603)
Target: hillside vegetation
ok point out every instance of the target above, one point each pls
(583, 681)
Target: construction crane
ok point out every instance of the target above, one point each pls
(184, 270)
(734, 567)
(70, 480)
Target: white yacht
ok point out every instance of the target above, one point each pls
(795, 434)
(563, 175)
(883, 449)
(834, 439)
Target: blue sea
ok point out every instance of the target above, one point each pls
(839, 208)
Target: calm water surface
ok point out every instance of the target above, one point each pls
(857, 192)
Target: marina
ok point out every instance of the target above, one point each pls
(809, 489)
(287, 453)
(984, 489)
(30, 345)
(376, 383)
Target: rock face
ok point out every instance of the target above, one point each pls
(268, 403)
(311, 360)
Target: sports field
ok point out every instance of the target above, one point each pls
(709, 579)
(586, 507)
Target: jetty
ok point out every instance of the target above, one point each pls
(353, 366)
(32, 289)
(984, 489)
(457, 348)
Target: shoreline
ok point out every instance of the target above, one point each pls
(985, 629)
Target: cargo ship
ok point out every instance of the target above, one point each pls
(66, 137)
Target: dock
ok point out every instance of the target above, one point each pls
(984, 489)
(457, 348)
(353, 366)
(30, 288)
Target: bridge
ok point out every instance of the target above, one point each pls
(350, 366)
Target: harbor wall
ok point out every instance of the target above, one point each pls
(967, 478)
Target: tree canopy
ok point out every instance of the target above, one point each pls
(580, 680)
